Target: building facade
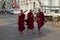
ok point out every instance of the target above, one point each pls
(50, 5)
(46, 5)
(28, 4)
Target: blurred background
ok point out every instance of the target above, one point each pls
(51, 8)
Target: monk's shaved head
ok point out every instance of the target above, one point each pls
(31, 10)
(21, 11)
(39, 9)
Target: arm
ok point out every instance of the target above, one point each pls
(37, 17)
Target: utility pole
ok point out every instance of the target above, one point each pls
(40, 3)
(34, 5)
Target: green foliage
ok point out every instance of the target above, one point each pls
(56, 10)
(3, 6)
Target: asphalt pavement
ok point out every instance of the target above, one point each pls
(9, 31)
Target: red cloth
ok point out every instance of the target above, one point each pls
(15, 5)
(30, 21)
(41, 20)
(21, 26)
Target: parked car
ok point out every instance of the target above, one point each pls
(13, 11)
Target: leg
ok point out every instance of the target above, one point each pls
(38, 31)
(21, 32)
(33, 31)
(27, 29)
(39, 27)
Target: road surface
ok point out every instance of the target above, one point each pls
(9, 31)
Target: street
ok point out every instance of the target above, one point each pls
(9, 31)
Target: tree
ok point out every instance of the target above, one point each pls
(39, 2)
(3, 6)
(56, 11)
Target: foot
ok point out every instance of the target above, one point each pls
(39, 33)
(21, 33)
(33, 32)
(27, 30)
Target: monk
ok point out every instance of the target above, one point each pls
(21, 17)
(40, 19)
(30, 21)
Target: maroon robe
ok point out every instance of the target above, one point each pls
(41, 20)
(21, 26)
(30, 20)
